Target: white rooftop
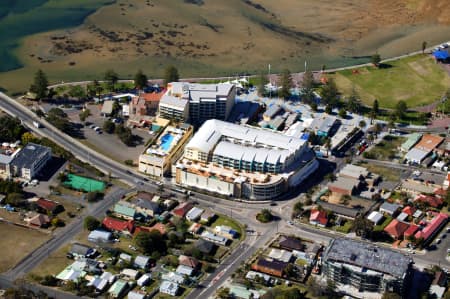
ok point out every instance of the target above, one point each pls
(211, 132)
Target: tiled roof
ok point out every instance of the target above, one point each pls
(118, 225)
(396, 228)
(434, 224)
(319, 216)
(48, 205)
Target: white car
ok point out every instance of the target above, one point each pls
(438, 241)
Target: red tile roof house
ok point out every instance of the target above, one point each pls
(49, 206)
(432, 228)
(432, 201)
(412, 229)
(408, 210)
(318, 217)
(182, 209)
(158, 226)
(121, 226)
(396, 229)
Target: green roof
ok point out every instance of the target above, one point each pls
(124, 210)
(411, 141)
(117, 287)
(242, 292)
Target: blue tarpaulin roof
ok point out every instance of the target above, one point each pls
(442, 55)
(305, 136)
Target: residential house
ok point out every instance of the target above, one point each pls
(375, 217)
(121, 226)
(389, 208)
(432, 227)
(396, 229)
(100, 236)
(207, 216)
(182, 209)
(438, 285)
(184, 270)
(354, 172)
(402, 217)
(226, 231)
(86, 264)
(281, 255)
(344, 186)
(118, 289)
(144, 279)
(194, 214)
(98, 283)
(411, 231)
(168, 287)
(252, 275)
(271, 267)
(318, 217)
(141, 262)
(124, 210)
(195, 228)
(243, 292)
(82, 251)
(129, 273)
(37, 220)
(137, 294)
(173, 277)
(409, 210)
(125, 257)
(146, 207)
(429, 200)
(188, 261)
(69, 274)
(410, 142)
(214, 238)
(205, 246)
(341, 211)
(290, 243)
(48, 207)
(156, 227)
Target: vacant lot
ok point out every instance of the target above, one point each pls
(417, 80)
(215, 37)
(17, 242)
(386, 149)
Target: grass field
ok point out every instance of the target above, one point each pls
(418, 80)
(17, 242)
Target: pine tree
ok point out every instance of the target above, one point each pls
(40, 84)
(171, 75)
(286, 84)
(140, 80)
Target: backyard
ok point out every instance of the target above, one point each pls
(417, 80)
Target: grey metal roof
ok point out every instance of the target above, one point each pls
(416, 154)
(272, 111)
(367, 256)
(5, 159)
(30, 154)
(389, 207)
(173, 102)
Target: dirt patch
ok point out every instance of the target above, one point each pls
(416, 66)
(18, 242)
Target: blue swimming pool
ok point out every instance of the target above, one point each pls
(166, 141)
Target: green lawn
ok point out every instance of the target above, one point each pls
(344, 228)
(380, 227)
(385, 150)
(416, 80)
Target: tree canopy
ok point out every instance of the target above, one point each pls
(111, 78)
(263, 80)
(171, 75)
(400, 109)
(40, 85)
(140, 80)
(149, 242)
(330, 94)
(375, 59)
(286, 84)
(11, 129)
(91, 223)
